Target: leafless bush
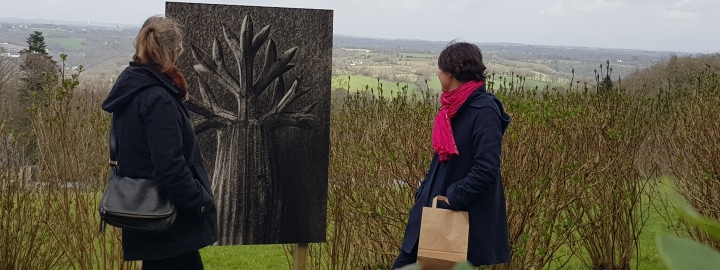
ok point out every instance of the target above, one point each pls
(568, 166)
(692, 148)
(616, 124)
(378, 157)
(56, 220)
(24, 232)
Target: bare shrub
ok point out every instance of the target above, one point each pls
(24, 232)
(568, 166)
(378, 157)
(691, 139)
(614, 126)
(541, 174)
(58, 216)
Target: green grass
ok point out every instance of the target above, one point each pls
(358, 83)
(67, 43)
(434, 84)
(244, 257)
(648, 256)
(273, 256)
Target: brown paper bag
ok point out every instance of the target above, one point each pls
(443, 237)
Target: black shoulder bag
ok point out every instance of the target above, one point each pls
(133, 204)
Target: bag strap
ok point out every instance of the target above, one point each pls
(113, 143)
(435, 200)
(113, 165)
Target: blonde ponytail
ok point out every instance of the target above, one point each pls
(160, 42)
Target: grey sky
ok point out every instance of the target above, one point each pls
(672, 25)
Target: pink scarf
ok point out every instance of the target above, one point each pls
(442, 136)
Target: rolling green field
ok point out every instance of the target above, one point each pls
(359, 83)
(67, 43)
(409, 66)
(434, 84)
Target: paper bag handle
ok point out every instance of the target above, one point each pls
(435, 200)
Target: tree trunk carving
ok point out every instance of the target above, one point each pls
(247, 193)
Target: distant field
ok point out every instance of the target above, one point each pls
(67, 43)
(434, 84)
(410, 56)
(529, 84)
(358, 83)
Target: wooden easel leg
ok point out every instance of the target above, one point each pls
(300, 253)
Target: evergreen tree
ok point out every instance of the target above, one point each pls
(37, 66)
(36, 44)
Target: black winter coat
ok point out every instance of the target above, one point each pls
(156, 141)
(471, 181)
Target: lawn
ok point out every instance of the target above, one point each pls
(67, 43)
(245, 257)
(649, 259)
(273, 256)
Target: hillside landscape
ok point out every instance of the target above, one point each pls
(104, 51)
(611, 160)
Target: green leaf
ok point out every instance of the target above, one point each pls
(683, 253)
(687, 212)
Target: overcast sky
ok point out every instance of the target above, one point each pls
(668, 25)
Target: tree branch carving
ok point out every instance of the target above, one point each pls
(272, 104)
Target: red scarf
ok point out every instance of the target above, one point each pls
(442, 136)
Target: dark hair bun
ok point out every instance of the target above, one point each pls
(464, 61)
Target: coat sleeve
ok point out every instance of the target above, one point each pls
(485, 171)
(163, 127)
(424, 181)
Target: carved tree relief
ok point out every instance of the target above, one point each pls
(247, 193)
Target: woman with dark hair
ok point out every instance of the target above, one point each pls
(156, 140)
(467, 138)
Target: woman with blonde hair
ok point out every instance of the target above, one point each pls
(155, 140)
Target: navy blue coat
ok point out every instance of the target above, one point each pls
(157, 141)
(471, 181)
